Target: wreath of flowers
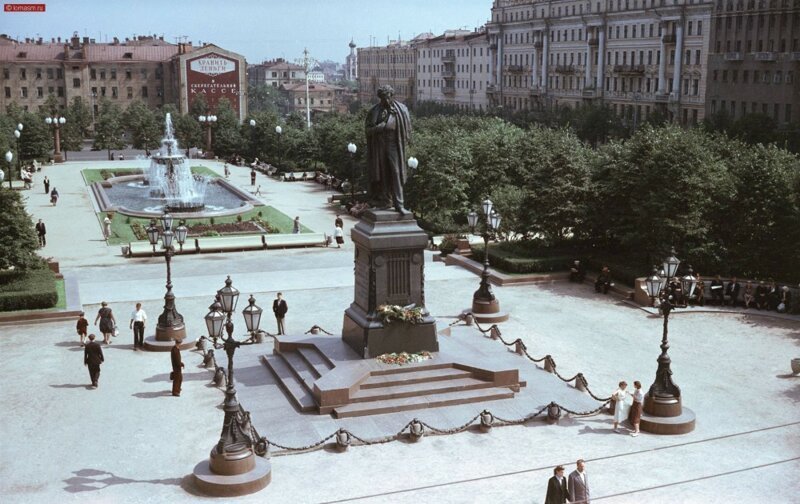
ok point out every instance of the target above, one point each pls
(410, 314)
(403, 357)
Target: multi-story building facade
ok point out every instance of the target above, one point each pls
(754, 62)
(394, 64)
(453, 69)
(275, 73)
(321, 97)
(637, 56)
(145, 68)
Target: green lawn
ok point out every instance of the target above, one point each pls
(61, 289)
(96, 174)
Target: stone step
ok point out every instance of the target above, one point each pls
(301, 369)
(316, 360)
(415, 376)
(411, 368)
(422, 402)
(298, 394)
(419, 389)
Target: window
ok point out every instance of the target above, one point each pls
(92, 74)
(40, 92)
(102, 91)
(23, 92)
(8, 92)
(144, 91)
(143, 71)
(49, 73)
(6, 73)
(23, 74)
(103, 74)
(76, 82)
(59, 73)
(38, 73)
(60, 91)
(114, 92)
(113, 74)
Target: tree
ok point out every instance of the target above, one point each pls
(109, 127)
(18, 241)
(227, 139)
(755, 129)
(187, 130)
(79, 114)
(264, 98)
(143, 125)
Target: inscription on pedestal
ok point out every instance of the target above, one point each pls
(362, 280)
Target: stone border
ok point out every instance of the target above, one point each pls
(694, 310)
(73, 309)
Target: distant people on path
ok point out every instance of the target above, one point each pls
(227, 171)
(93, 357)
(46, 183)
(296, 225)
(635, 415)
(54, 196)
(557, 492)
(27, 178)
(577, 272)
(772, 296)
(717, 292)
(258, 191)
(603, 281)
(41, 232)
(732, 291)
(107, 227)
(338, 222)
(578, 484)
(177, 368)
(619, 404)
(699, 295)
(81, 326)
(107, 322)
(338, 233)
(749, 295)
(279, 308)
(252, 176)
(138, 319)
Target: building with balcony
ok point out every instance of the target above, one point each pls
(393, 64)
(754, 61)
(637, 56)
(453, 69)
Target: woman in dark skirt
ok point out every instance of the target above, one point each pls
(635, 415)
(107, 322)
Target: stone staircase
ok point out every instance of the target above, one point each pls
(296, 371)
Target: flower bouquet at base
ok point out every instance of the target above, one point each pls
(412, 314)
(403, 357)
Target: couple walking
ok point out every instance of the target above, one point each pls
(574, 488)
(622, 411)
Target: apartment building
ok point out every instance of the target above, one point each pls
(394, 64)
(755, 59)
(453, 69)
(637, 56)
(275, 73)
(322, 97)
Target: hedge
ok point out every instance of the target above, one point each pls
(511, 263)
(32, 290)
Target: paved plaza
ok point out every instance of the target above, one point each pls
(131, 441)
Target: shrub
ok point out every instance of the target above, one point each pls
(511, 263)
(211, 220)
(210, 232)
(29, 291)
(239, 218)
(139, 231)
(449, 244)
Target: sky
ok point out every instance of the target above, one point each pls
(258, 30)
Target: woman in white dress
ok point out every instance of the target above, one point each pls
(620, 408)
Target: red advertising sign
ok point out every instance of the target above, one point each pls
(215, 77)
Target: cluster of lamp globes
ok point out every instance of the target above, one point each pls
(55, 121)
(659, 280)
(207, 119)
(167, 235)
(492, 217)
(226, 305)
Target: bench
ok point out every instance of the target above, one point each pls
(615, 286)
(298, 176)
(17, 185)
(295, 240)
(230, 243)
(144, 249)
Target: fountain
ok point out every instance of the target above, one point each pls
(169, 184)
(171, 179)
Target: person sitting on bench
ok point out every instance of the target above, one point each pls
(717, 291)
(699, 295)
(749, 295)
(732, 291)
(761, 296)
(577, 272)
(603, 280)
(785, 300)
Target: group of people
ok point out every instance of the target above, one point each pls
(764, 296)
(573, 488)
(577, 273)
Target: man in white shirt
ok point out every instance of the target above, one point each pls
(138, 318)
(578, 484)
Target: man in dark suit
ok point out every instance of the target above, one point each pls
(577, 272)
(732, 290)
(279, 308)
(177, 368)
(41, 231)
(93, 357)
(717, 291)
(578, 484)
(557, 488)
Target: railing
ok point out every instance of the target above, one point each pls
(734, 56)
(536, 91)
(449, 57)
(565, 69)
(448, 74)
(515, 68)
(629, 69)
(765, 56)
(662, 98)
(668, 38)
(795, 56)
(589, 93)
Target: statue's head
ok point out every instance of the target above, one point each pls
(385, 93)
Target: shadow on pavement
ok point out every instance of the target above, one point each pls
(164, 377)
(72, 385)
(152, 395)
(87, 480)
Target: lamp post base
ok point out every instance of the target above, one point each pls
(487, 311)
(232, 474)
(165, 337)
(58, 158)
(666, 416)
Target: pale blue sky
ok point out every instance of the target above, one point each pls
(256, 29)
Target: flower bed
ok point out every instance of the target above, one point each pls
(404, 357)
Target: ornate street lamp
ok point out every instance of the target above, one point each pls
(170, 323)
(253, 146)
(664, 413)
(17, 134)
(9, 158)
(55, 123)
(279, 132)
(234, 468)
(352, 148)
(485, 306)
(208, 121)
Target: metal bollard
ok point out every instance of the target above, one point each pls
(549, 364)
(469, 319)
(208, 358)
(487, 419)
(494, 332)
(416, 430)
(519, 347)
(553, 412)
(219, 376)
(343, 439)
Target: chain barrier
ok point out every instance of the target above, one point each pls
(315, 329)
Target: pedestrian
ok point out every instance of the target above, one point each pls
(227, 171)
(41, 231)
(578, 484)
(338, 222)
(557, 492)
(81, 327)
(93, 357)
(279, 307)
(46, 182)
(54, 196)
(107, 227)
(177, 368)
(339, 235)
(635, 415)
(258, 191)
(138, 319)
(252, 176)
(619, 404)
(107, 322)
(296, 225)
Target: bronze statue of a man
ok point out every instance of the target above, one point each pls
(388, 128)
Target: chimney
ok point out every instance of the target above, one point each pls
(58, 39)
(66, 52)
(85, 40)
(39, 41)
(116, 41)
(91, 41)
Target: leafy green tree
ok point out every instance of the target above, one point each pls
(18, 242)
(144, 126)
(36, 140)
(109, 128)
(264, 98)
(79, 114)
(187, 130)
(332, 133)
(755, 129)
(227, 138)
(199, 106)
